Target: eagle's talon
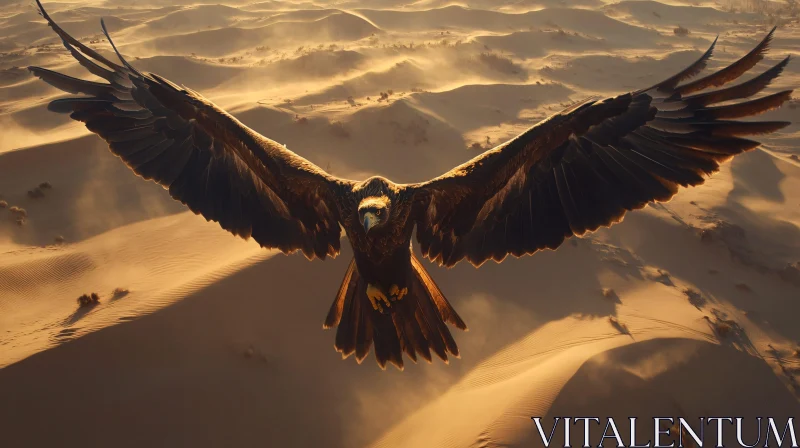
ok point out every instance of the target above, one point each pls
(376, 296)
(396, 293)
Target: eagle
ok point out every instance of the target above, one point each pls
(572, 173)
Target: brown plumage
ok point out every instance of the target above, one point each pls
(578, 170)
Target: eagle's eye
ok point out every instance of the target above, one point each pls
(379, 212)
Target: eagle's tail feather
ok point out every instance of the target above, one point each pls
(415, 324)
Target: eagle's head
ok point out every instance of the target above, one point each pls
(373, 211)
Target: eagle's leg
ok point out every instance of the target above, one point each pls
(376, 296)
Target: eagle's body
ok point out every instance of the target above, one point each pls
(394, 237)
(580, 169)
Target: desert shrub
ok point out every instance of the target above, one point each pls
(695, 298)
(36, 193)
(18, 211)
(681, 31)
(499, 63)
(87, 300)
(723, 329)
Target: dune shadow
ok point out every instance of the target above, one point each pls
(79, 314)
(668, 378)
(714, 279)
(551, 284)
(260, 331)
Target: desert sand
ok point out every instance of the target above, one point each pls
(202, 339)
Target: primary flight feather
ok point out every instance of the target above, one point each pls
(574, 172)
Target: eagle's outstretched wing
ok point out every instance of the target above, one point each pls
(585, 167)
(218, 167)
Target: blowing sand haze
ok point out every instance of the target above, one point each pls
(524, 101)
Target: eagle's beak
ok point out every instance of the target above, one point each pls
(369, 221)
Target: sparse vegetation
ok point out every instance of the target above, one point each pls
(695, 298)
(119, 292)
(87, 300)
(18, 211)
(722, 328)
(619, 326)
(230, 60)
(499, 63)
(36, 193)
(681, 31)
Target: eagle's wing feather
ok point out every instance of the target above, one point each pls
(585, 167)
(218, 167)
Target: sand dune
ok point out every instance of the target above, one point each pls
(199, 17)
(210, 340)
(26, 34)
(458, 18)
(336, 27)
(531, 44)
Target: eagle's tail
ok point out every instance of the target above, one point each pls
(415, 324)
